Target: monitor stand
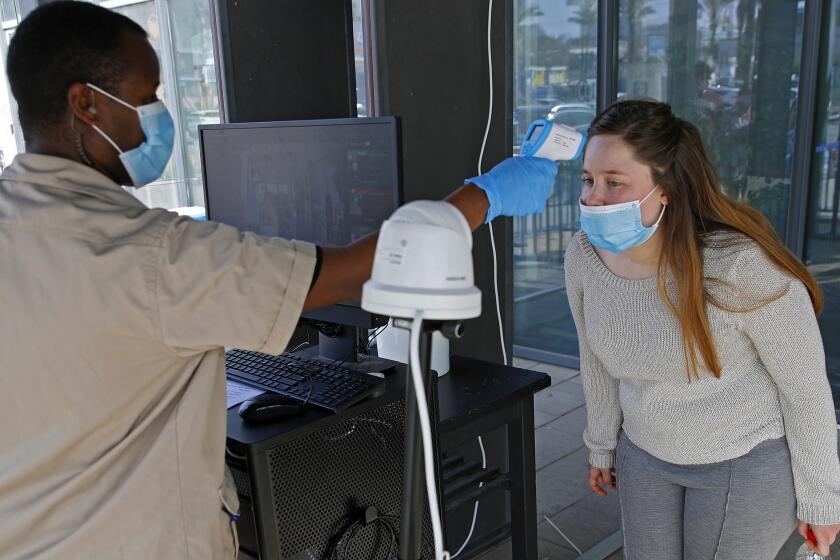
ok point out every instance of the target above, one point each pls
(344, 347)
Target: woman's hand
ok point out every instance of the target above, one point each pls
(818, 537)
(606, 477)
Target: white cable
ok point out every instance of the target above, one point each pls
(475, 510)
(496, 269)
(480, 160)
(490, 71)
(426, 431)
(496, 290)
(493, 246)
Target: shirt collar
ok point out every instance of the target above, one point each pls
(62, 173)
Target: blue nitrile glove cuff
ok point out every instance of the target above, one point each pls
(517, 186)
(488, 185)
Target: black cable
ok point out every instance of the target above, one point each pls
(336, 363)
(340, 547)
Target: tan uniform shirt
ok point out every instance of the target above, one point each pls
(113, 319)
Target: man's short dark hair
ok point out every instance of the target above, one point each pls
(60, 44)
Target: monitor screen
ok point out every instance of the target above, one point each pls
(329, 182)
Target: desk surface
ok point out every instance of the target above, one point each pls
(470, 389)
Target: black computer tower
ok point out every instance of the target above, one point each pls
(294, 509)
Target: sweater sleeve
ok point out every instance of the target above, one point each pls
(787, 338)
(603, 411)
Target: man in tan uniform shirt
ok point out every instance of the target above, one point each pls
(115, 316)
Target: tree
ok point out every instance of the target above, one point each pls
(634, 11)
(587, 17)
(713, 8)
(746, 36)
(525, 11)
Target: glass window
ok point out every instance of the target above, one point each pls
(732, 69)
(822, 246)
(359, 57)
(194, 70)
(554, 75)
(180, 32)
(11, 140)
(9, 143)
(8, 11)
(163, 192)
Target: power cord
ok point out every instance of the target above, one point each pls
(426, 431)
(475, 509)
(480, 160)
(495, 257)
(370, 516)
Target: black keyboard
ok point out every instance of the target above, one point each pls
(309, 380)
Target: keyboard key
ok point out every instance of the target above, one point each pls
(246, 375)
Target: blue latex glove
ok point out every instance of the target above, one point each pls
(517, 186)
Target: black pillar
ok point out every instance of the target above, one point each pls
(286, 59)
(433, 73)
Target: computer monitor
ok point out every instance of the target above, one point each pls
(330, 182)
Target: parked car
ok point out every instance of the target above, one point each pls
(524, 115)
(576, 115)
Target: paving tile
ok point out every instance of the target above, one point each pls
(543, 418)
(586, 522)
(571, 386)
(562, 483)
(573, 422)
(547, 550)
(552, 445)
(503, 551)
(557, 373)
(557, 401)
(523, 363)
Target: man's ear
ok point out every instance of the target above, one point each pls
(82, 103)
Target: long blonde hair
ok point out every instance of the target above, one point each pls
(673, 149)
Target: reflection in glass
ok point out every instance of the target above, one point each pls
(195, 73)
(164, 191)
(732, 68)
(822, 246)
(188, 70)
(554, 77)
(359, 60)
(8, 10)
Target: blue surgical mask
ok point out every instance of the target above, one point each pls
(617, 227)
(145, 163)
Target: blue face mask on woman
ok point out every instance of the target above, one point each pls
(145, 163)
(617, 227)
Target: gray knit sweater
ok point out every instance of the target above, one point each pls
(773, 380)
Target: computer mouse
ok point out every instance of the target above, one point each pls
(269, 406)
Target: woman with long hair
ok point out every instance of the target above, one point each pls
(708, 404)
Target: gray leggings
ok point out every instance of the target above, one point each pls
(742, 509)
